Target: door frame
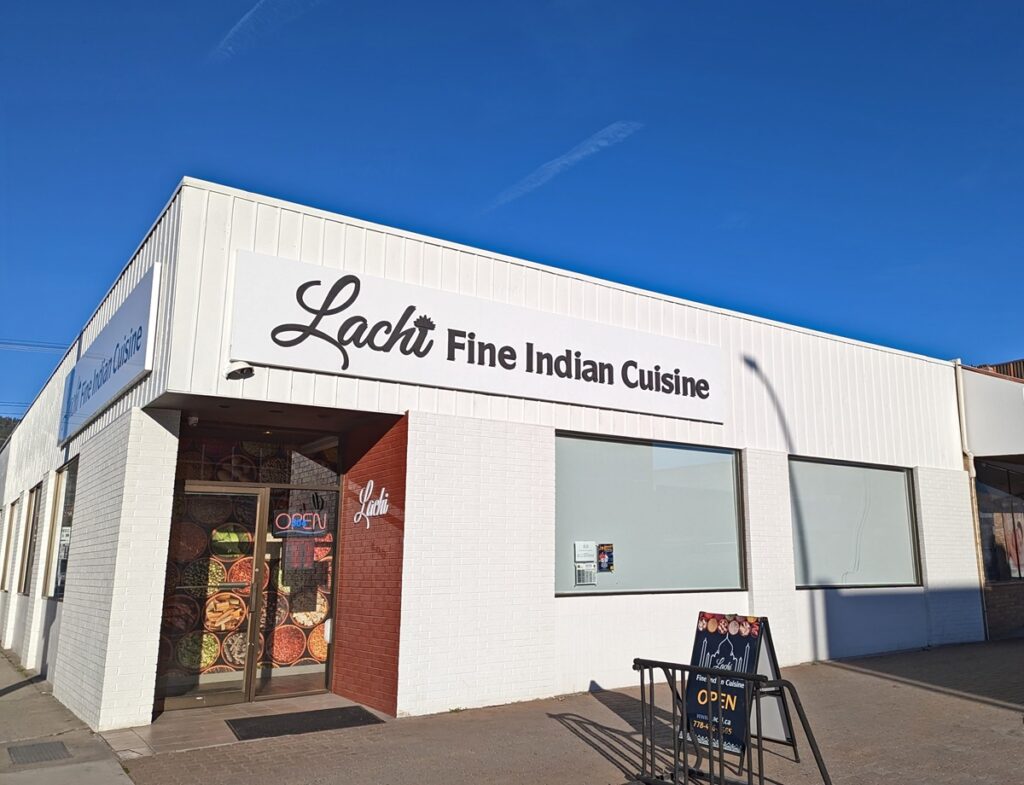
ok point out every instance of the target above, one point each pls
(243, 695)
(262, 493)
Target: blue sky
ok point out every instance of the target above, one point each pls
(852, 167)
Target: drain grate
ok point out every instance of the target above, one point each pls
(38, 753)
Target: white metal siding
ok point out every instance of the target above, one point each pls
(994, 410)
(836, 398)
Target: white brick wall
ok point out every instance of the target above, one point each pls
(949, 560)
(480, 621)
(130, 669)
(82, 649)
(106, 658)
(767, 513)
(478, 612)
(481, 624)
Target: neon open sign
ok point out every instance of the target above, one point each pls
(288, 524)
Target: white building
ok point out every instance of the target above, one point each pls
(434, 520)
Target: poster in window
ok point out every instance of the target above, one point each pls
(584, 551)
(1014, 533)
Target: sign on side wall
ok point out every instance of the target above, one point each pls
(116, 359)
(371, 504)
(295, 315)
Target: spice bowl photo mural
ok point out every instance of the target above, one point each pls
(248, 593)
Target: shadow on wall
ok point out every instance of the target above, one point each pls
(863, 622)
(787, 434)
(47, 656)
(855, 622)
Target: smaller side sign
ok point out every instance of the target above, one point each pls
(371, 505)
(116, 359)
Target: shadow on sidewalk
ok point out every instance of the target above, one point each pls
(623, 747)
(990, 673)
(27, 682)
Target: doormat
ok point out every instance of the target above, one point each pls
(246, 728)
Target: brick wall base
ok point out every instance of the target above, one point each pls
(368, 595)
(1004, 609)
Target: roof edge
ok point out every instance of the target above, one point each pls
(228, 190)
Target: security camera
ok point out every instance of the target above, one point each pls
(239, 370)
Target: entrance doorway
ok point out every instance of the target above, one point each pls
(248, 605)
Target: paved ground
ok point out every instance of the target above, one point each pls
(30, 715)
(175, 731)
(942, 717)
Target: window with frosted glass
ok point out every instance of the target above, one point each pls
(852, 525)
(670, 513)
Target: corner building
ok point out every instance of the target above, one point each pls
(292, 451)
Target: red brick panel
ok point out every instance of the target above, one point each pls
(1004, 609)
(368, 589)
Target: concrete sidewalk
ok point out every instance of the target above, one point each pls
(29, 715)
(948, 716)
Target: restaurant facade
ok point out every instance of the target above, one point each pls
(293, 451)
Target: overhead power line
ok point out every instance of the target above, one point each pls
(16, 345)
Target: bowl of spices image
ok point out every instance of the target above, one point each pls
(181, 614)
(287, 643)
(197, 651)
(201, 577)
(188, 542)
(230, 541)
(241, 572)
(309, 608)
(225, 611)
(318, 643)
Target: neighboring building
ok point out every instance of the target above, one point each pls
(994, 442)
(1014, 368)
(293, 451)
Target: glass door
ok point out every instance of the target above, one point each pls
(207, 636)
(295, 607)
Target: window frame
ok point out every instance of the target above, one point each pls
(9, 543)
(56, 525)
(741, 517)
(29, 539)
(56, 515)
(915, 549)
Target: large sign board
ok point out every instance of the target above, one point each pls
(116, 359)
(295, 315)
(742, 644)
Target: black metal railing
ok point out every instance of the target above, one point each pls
(679, 759)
